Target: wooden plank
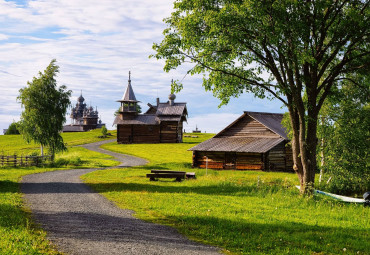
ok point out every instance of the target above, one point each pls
(190, 175)
(166, 171)
(163, 175)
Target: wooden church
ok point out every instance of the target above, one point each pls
(255, 141)
(161, 123)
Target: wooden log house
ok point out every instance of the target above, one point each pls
(161, 123)
(255, 141)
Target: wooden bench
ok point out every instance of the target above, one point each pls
(178, 175)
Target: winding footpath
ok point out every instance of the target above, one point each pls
(80, 221)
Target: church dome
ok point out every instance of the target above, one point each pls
(172, 97)
(80, 99)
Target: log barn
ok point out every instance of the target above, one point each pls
(255, 141)
(161, 123)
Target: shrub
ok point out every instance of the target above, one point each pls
(12, 129)
(104, 131)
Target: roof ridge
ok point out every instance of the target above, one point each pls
(272, 113)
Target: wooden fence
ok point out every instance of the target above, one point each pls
(15, 160)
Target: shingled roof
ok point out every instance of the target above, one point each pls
(164, 112)
(219, 142)
(271, 121)
(129, 95)
(238, 144)
(144, 119)
(167, 109)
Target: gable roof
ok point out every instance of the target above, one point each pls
(272, 121)
(238, 144)
(175, 109)
(164, 112)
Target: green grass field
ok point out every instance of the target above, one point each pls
(14, 144)
(18, 235)
(242, 212)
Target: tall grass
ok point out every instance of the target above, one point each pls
(243, 212)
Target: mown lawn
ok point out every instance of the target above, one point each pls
(243, 212)
(18, 234)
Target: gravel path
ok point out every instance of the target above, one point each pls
(80, 221)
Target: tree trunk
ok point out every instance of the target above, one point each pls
(304, 144)
(42, 150)
(297, 164)
(308, 143)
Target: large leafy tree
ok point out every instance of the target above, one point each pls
(45, 106)
(274, 49)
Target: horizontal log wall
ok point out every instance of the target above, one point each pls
(138, 134)
(221, 160)
(169, 132)
(248, 127)
(280, 158)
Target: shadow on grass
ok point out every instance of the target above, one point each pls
(224, 189)
(11, 216)
(274, 237)
(7, 186)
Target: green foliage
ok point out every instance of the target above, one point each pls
(344, 130)
(12, 129)
(273, 49)
(138, 110)
(104, 131)
(45, 107)
(242, 212)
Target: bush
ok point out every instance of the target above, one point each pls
(104, 131)
(73, 161)
(12, 129)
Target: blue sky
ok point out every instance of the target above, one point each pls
(96, 43)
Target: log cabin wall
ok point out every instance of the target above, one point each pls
(247, 127)
(138, 133)
(169, 132)
(124, 134)
(249, 161)
(215, 159)
(228, 160)
(280, 158)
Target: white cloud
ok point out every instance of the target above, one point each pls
(96, 44)
(3, 37)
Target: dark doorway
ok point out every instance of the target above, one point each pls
(230, 160)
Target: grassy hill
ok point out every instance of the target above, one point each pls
(243, 212)
(14, 144)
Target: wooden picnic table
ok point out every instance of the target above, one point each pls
(178, 175)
